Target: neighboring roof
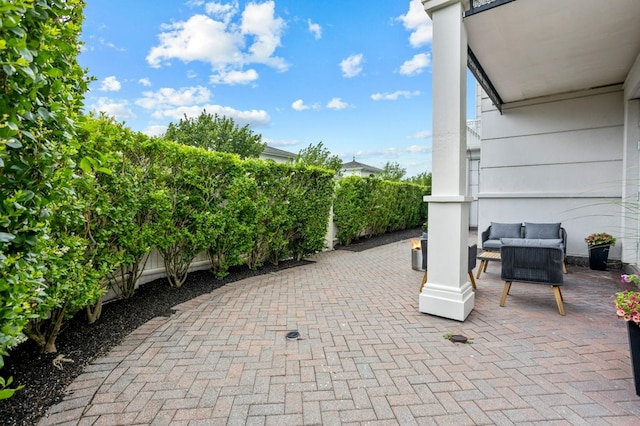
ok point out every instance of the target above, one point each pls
(269, 150)
(355, 165)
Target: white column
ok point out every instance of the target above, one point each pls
(630, 223)
(448, 293)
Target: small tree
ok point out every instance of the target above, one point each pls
(318, 155)
(393, 171)
(216, 133)
(423, 179)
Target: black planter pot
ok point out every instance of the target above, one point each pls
(634, 348)
(598, 256)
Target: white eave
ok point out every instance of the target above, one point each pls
(535, 48)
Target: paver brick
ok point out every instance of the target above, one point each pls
(367, 354)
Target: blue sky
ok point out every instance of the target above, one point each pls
(354, 75)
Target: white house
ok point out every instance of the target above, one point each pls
(354, 168)
(277, 155)
(560, 132)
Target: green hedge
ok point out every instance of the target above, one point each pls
(42, 88)
(371, 206)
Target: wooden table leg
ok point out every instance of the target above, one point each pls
(481, 267)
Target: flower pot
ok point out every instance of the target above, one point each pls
(598, 256)
(634, 348)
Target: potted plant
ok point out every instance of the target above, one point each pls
(599, 245)
(628, 309)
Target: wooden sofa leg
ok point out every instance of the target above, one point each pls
(473, 282)
(564, 267)
(424, 281)
(505, 291)
(558, 294)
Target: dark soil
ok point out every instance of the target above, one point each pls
(379, 240)
(44, 383)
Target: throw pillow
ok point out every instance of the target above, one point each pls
(541, 230)
(505, 230)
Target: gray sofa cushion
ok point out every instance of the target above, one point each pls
(505, 230)
(532, 242)
(492, 245)
(541, 230)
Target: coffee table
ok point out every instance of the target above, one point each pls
(485, 257)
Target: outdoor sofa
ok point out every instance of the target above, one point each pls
(493, 235)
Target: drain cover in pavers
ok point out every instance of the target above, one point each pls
(293, 335)
(457, 338)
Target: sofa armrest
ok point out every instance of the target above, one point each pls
(485, 234)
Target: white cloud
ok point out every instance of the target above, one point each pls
(173, 103)
(415, 65)
(145, 82)
(110, 45)
(417, 21)
(352, 66)
(416, 149)
(337, 103)
(299, 105)
(110, 84)
(226, 39)
(155, 130)
(168, 97)
(259, 22)
(315, 29)
(395, 95)
(424, 134)
(394, 151)
(119, 110)
(225, 12)
(200, 38)
(234, 77)
(280, 142)
(256, 118)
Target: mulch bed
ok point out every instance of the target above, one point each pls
(44, 383)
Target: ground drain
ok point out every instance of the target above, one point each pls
(457, 338)
(293, 335)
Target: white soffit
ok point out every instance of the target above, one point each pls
(533, 48)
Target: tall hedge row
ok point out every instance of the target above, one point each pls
(127, 194)
(371, 206)
(42, 88)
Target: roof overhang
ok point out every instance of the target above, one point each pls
(525, 49)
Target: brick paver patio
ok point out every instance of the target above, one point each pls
(366, 355)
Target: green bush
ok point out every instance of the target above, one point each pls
(125, 210)
(272, 220)
(351, 208)
(372, 206)
(42, 89)
(310, 191)
(179, 236)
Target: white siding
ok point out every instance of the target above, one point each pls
(557, 159)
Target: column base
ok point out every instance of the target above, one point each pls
(447, 302)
